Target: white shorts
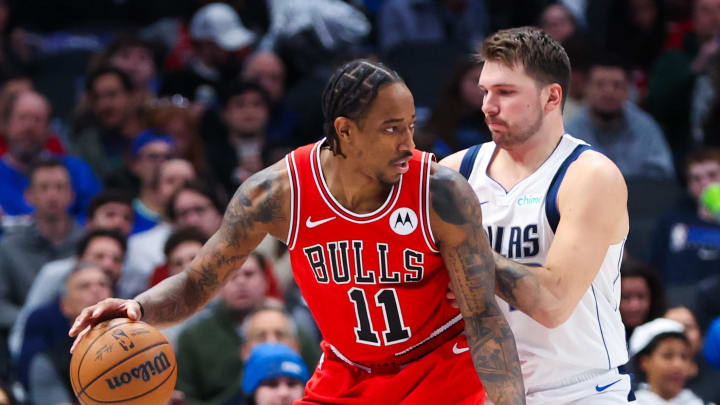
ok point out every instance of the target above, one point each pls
(592, 388)
(599, 387)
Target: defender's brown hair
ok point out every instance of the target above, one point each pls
(543, 58)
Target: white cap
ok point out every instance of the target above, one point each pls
(645, 333)
(218, 22)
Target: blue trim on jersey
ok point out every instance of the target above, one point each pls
(622, 369)
(619, 265)
(468, 161)
(597, 311)
(551, 209)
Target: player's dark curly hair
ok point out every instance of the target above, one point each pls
(350, 92)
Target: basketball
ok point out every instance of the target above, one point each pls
(123, 362)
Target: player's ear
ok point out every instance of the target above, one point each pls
(554, 96)
(343, 128)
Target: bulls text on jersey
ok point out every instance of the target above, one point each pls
(332, 262)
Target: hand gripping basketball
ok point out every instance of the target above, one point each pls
(123, 362)
(102, 311)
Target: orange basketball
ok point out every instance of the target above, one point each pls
(123, 362)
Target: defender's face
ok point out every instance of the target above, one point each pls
(512, 107)
(385, 143)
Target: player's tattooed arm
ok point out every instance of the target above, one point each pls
(512, 282)
(260, 206)
(456, 221)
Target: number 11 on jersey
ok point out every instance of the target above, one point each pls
(395, 332)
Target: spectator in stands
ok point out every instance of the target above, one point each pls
(193, 204)
(149, 150)
(52, 235)
(702, 378)
(209, 348)
(642, 297)
(136, 57)
(47, 325)
(243, 147)
(427, 21)
(101, 247)
(673, 75)
(111, 209)
(181, 247)
(172, 174)
(267, 70)
(176, 117)
(558, 22)
(103, 134)
(218, 38)
(271, 323)
(274, 375)
(25, 125)
(13, 86)
(617, 127)
(685, 245)
(457, 122)
(661, 355)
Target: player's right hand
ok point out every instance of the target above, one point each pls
(102, 311)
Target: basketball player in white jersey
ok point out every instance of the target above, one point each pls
(556, 214)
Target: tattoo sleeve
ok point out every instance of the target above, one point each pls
(255, 208)
(514, 282)
(457, 224)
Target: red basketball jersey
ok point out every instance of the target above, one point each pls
(375, 282)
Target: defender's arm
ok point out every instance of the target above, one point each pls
(592, 202)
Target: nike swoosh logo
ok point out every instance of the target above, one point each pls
(484, 202)
(604, 387)
(312, 224)
(459, 350)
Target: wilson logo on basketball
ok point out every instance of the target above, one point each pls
(142, 372)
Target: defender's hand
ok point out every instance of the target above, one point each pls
(102, 311)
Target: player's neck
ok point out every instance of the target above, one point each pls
(533, 152)
(512, 165)
(351, 186)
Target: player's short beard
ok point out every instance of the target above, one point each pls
(517, 136)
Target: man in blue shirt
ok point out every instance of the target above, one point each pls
(618, 128)
(25, 125)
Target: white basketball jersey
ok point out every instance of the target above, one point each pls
(520, 224)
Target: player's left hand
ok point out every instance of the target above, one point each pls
(102, 311)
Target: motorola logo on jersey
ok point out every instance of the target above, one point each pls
(403, 221)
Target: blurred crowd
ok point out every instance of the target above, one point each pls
(126, 126)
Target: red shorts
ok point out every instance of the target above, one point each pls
(444, 376)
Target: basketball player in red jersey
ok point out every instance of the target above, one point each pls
(375, 231)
